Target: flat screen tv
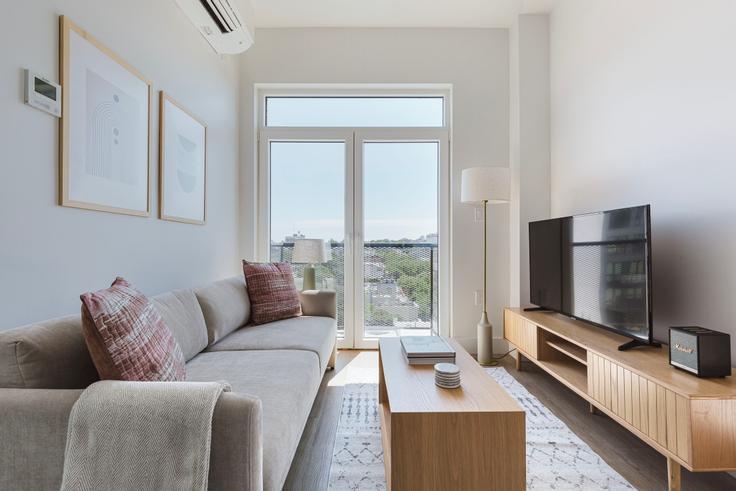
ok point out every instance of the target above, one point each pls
(596, 268)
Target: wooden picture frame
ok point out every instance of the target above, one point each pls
(104, 149)
(181, 202)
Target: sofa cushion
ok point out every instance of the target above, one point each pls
(316, 334)
(272, 292)
(181, 312)
(127, 337)
(46, 355)
(286, 382)
(225, 306)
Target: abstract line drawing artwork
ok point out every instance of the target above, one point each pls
(182, 164)
(104, 140)
(111, 116)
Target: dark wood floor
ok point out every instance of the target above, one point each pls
(642, 466)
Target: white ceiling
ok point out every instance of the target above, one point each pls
(391, 13)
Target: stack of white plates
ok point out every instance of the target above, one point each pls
(447, 375)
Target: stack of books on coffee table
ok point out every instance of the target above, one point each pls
(426, 350)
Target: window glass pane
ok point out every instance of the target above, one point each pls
(400, 257)
(355, 111)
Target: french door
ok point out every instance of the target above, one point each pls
(379, 198)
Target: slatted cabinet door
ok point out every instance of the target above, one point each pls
(521, 333)
(657, 413)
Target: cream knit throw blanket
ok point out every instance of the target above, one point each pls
(141, 436)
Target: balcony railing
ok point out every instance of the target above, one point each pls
(400, 287)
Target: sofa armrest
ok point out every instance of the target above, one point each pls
(33, 429)
(236, 455)
(322, 303)
(33, 426)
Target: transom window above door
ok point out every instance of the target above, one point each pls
(364, 111)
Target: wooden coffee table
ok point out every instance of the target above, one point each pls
(468, 438)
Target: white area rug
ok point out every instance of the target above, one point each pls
(556, 457)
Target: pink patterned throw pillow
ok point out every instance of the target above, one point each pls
(272, 292)
(127, 338)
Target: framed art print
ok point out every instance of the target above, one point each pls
(182, 164)
(104, 131)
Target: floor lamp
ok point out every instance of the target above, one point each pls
(485, 185)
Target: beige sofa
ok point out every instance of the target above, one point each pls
(275, 371)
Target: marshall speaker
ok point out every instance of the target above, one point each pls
(700, 351)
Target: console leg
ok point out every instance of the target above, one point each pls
(591, 408)
(673, 475)
(518, 360)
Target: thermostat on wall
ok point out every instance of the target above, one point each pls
(42, 93)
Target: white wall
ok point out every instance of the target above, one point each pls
(530, 142)
(644, 111)
(49, 254)
(475, 61)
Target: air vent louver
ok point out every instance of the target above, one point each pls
(213, 8)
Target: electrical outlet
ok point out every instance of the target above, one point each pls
(477, 296)
(478, 215)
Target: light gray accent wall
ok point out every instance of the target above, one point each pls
(644, 111)
(475, 61)
(49, 254)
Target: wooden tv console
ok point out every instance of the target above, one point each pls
(689, 420)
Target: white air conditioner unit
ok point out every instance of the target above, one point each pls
(220, 23)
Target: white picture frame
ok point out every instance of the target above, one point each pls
(182, 164)
(105, 127)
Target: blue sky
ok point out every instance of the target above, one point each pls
(308, 190)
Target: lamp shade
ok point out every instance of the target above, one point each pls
(311, 251)
(490, 184)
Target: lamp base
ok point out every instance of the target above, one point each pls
(485, 341)
(309, 283)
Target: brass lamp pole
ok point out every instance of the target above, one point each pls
(484, 315)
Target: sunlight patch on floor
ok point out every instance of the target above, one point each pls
(363, 369)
